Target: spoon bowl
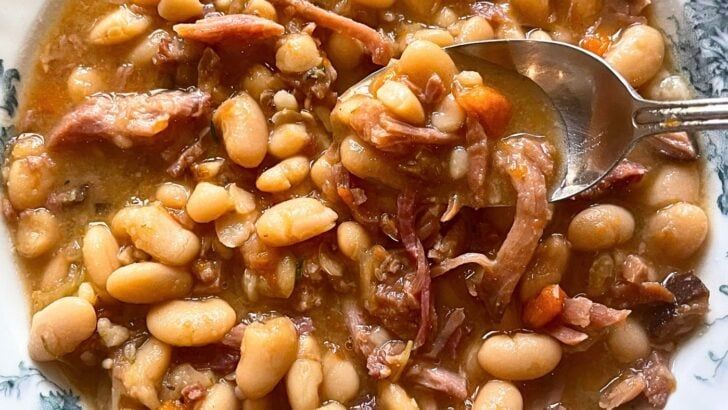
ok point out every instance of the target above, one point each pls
(602, 115)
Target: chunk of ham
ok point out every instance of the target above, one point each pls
(366, 338)
(624, 175)
(491, 11)
(186, 158)
(389, 359)
(636, 270)
(675, 145)
(229, 28)
(638, 285)
(433, 91)
(416, 252)
(386, 357)
(128, 120)
(380, 48)
(438, 378)
(478, 149)
(374, 124)
(651, 377)
(452, 325)
(582, 312)
(566, 335)
(668, 321)
(659, 378)
(622, 391)
(528, 162)
(551, 310)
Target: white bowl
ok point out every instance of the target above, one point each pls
(698, 33)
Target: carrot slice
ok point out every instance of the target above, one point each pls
(545, 307)
(490, 107)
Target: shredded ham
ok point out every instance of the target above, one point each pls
(366, 338)
(380, 48)
(353, 198)
(491, 11)
(388, 359)
(624, 175)
(374, 124)
(230, 27)
(651, 376)
(234, 337)
(193, 392)
(527, 161)
(433, 91)
(439, 379)
(416, 252)
(453, 322)
(636, 270)
(385, 357)
(566, 335)
(582, 312)
(187, 157)
(453, 263)
(128, 120)
(659, 378)
(478, 149)
(675, 145)
(622, 391)
(454, 205)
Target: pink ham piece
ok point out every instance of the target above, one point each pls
(582, 312)
(675, 145)
(652, 377)
(528, 162)
(128, 120)
(478, 149)
(380, 48)
(566, 335)
(373, 124)
(416, 252)
(439, 379)
(624, 175)
(230, 28)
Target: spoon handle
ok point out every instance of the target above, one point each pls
(655, 117)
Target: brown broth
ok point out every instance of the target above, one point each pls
(118, 177)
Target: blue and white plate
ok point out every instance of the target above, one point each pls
(698, 33)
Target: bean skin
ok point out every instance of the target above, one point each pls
(267, 352)
(60, 327)
(154, 231)
(294, 221)
(244, 130)
(148, 282)
(522, 356)
(191, 322)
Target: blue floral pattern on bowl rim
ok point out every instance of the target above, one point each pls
(698, 32)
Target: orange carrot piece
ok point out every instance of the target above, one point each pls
(595, 43)
(545, 307)
(490, 107)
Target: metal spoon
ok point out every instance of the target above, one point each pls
(602, 115)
